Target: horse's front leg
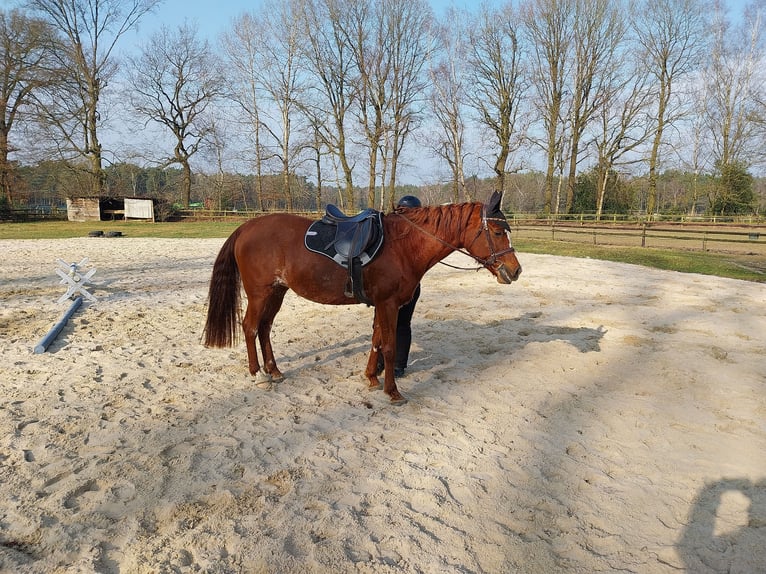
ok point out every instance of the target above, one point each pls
(386, 317)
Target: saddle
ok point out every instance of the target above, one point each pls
(352, 241)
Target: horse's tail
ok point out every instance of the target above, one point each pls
(223, 310)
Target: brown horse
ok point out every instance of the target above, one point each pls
(269, 257)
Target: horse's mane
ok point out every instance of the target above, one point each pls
(451, 218)
(451, 215)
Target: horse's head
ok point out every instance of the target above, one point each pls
(495, 251)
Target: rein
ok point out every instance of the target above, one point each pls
(460, 268)
(486, 263)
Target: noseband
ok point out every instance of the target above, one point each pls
(488, 263)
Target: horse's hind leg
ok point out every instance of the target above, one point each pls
(250, 324)
(259, 309)
(271, 307)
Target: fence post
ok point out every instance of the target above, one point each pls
(643, 234)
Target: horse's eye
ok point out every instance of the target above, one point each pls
(499, 233)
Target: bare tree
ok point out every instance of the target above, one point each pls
(263, 50)
(89, 31)
(549, 25)
(734, 81)
(240, 48)
(369, 43)
(175, 78)
(24, 51)
(317, 151)
(409, 23)
(388, 44)
(328, 55)
(224, 186)
(598, 33)
(672, 35)
(447, 74)
(696, 156)
(623, 123)
(497, 81)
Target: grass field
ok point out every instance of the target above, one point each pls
(63, 229)
(748, 267)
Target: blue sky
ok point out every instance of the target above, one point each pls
(211, 18)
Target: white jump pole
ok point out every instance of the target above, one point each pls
(45, 342)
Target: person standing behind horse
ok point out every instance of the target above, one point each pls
(404, 320)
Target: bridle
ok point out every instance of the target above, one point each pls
(493, 255)
(488, 263)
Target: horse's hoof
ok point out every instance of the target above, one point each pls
(264, 381)
(398, 400)
(275, 374)
(373, 385)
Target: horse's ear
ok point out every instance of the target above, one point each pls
(495, 211)
(494, 201)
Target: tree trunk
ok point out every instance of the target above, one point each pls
(572, 181)
(558, 193)
(396, 150)
(6, 171)
(371, 179)
(286, 185)
(186, 180)
(348, 181)
(500, 164)
(603, 175)
(550, 170)
(651, 199)
(93, 151)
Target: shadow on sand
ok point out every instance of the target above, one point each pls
(726, 531)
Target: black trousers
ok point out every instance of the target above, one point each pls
(404, 330)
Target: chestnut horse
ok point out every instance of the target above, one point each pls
(268, 256)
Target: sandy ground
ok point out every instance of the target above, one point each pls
(592, 417)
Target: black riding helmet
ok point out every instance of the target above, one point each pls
(409, 201)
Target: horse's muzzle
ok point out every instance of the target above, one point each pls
(504, 276)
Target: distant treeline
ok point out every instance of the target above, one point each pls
(50, 183)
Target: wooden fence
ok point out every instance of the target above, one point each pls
(734, 237)
(44, 213)
(741, 235)
(745, 234)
